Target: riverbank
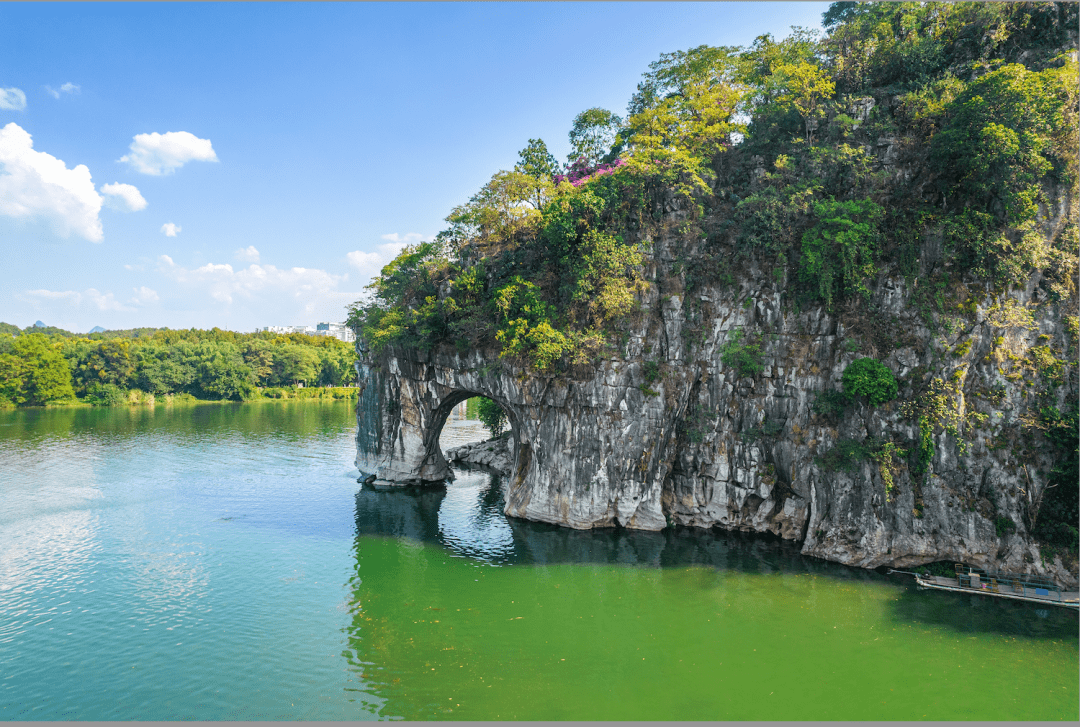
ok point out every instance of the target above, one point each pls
(135, 397)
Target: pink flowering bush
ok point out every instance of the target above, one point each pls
(581, 171)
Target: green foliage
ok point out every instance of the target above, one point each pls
(593, 135)
(804, 86)
(675, 73)
(766, 69)
(404, 307)
(491, 415)
(741, 355)
(889, 458)
(1004, 525)
(934, 409)
(771, 216)
(839, 250)
(695, 425)
(105, 395)
(501, 210)
(831, 404)
(673, 140)
(537, 163)
(207, 365)
(605, 278)
(1058, 521)
(35, 373)
(902, 45)
(1004, 132)
(845, 455)
(870, 378)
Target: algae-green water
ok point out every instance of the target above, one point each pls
(221, 562)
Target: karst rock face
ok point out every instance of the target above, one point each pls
(663, 433)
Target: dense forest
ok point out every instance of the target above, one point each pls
(41, 366)
(826, 159)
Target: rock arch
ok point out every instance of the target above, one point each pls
(578, 461)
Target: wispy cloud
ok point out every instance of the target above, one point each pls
(123, 197)
(371, 263)
(407, 239)
(90, 297)
(144, 295)
(222, 282)
(70, 88)
(12, 99)
(171, 230)
(157, 154)
(247, 254)
(36, 185)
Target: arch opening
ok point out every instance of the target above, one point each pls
(477, 416)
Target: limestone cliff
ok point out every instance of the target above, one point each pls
(702, 446)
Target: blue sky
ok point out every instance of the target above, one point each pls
(250, 164)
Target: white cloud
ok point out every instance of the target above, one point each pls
(12, 99)
(159, 154)
(38, 185)
(144, 295)
(408, 238)
(371, 263)
(171, 230)
(68, 87)
(222, 282)
(91, 297)
(247, 254)
(123, 197)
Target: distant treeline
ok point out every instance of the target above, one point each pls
(48, 365)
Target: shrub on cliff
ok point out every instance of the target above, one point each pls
(870, 378)
(491, 415)
(742, 356)
(839, 251)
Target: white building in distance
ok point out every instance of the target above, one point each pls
(338, 330)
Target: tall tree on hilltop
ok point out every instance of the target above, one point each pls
(593, 135)
(536, 162)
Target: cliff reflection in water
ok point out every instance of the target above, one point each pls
(466, 517)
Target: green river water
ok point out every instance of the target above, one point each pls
(221, 562)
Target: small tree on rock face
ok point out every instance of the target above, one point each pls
(491, 416)
(870, 378)
(839, 251)
(806, 87)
